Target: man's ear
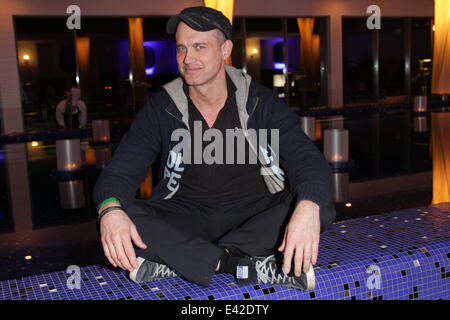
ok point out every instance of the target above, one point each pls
(227, 47)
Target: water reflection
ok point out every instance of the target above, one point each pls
(101, 137)
(309, 126)
(102, 157)
(380, 144)
(51, 209)
(420, 124)
(69, 163)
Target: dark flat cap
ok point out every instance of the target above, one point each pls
(201, 19)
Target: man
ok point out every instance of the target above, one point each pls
(71, 112)
(207, 217)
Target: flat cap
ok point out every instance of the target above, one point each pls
(201, 19)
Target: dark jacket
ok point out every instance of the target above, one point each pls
(297, 158)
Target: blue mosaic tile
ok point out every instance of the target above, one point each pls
(409, 250)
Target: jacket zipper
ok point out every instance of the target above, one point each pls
(176, 118)
(257, 151)
(246, 131)
(253, 110)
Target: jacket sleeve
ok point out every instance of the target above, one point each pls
(308, 173)
(129, 165)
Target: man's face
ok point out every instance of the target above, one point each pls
(200, 55)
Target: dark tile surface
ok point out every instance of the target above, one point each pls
(355, 276)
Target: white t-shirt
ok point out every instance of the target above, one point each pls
(78, 107)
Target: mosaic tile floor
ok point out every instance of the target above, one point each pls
(398, 255)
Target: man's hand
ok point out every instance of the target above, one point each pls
(302, 235)
(117, 230)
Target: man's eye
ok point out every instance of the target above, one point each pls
(200, 47)
(181, 49)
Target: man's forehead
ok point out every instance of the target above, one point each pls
(185, 31)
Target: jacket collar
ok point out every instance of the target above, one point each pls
(179, 106)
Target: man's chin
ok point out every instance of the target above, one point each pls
(196, 81)
(191, 82)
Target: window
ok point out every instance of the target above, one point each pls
(358, 46)
(421, 56)
(160, 53)
(47, 65)
(392, 60)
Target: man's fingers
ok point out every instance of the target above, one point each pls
(121, 257)
(307, 257)
(117, 242)
(126, 259)
(106, 251)
(298, 260)
(112, 254)
(131, 255)
(288, 253)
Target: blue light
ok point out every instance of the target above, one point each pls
(161, 51)
(279, 65)
(152, 44)
(156, 46)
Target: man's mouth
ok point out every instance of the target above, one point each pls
(192, 69)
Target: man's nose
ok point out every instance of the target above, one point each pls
(189, 56)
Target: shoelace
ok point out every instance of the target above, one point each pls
(267, 273)
(163, 271)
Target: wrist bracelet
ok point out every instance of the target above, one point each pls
(100, 216)
(112, 199)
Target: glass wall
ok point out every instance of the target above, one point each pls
(306, 61)
(389, 65)
(421, 56)
(54, 59)
(287, 55)
(103, 66)
(264, 54)
(278, 57)
(160, 53)
(238, 54)
(47, 65)
(392, 53)
(96, 59)
(358, 46)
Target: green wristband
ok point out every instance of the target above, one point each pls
(108, 201)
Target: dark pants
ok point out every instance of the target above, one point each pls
(190, 238)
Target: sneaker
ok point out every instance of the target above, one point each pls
(149, 271)
(266, 270)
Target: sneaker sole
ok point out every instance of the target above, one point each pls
(133, 273)
(310, 278)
